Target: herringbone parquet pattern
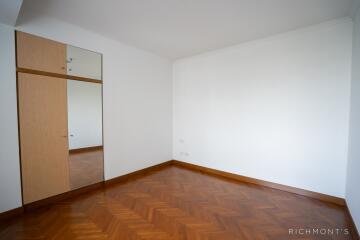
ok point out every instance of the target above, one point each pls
(175, 203)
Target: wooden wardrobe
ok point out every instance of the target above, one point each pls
(42, 108)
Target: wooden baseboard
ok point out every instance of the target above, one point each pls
(316, 195)
(323, 197)
(354, 231)
(11, 213)
(86, 149)
(62, 196)
(139, 173)
(76, 192)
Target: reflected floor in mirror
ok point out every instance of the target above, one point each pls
(86, 167)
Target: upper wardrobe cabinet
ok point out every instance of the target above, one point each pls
(40, 54)
(83, 63)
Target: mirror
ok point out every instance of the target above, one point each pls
(83, 63)
(85, 133)
(86, 163)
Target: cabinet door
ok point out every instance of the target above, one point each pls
(40, 54)
(83, 63)
(43, 136)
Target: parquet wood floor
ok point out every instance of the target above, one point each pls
(178, 204)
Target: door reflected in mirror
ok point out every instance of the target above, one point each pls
(86, 163)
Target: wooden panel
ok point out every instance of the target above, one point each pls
(40, 54)
(57, 75)
(43, 136)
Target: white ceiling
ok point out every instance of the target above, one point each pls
(9, 11)
(179, 28)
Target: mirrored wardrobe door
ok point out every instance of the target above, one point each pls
(85, 133)
(83, 63)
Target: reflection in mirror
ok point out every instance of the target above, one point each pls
(83, 63)
(85, 133)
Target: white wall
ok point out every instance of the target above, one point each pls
(136, 96)
(84, 114)
(280, 101)
(10, 190)
(353, 171)
(137, 104)
(275, 109)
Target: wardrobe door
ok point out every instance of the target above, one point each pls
(40, 54)
(43, 136)
(83, 63)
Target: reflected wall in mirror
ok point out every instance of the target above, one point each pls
(83, 63)
(85, 133)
